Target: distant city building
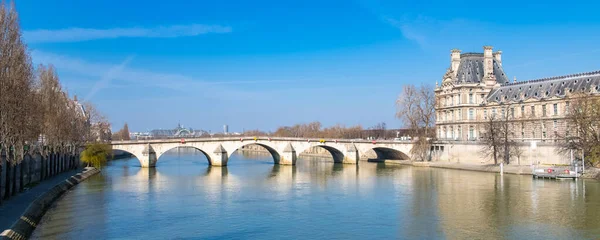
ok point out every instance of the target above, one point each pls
(179, 131)
(225, 129)
(139, 135)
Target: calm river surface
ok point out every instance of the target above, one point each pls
(252, 198)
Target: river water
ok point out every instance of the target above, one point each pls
(184, 198)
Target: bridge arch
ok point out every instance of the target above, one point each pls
(271, 149)
(381, 152)
(135, 154)
(336, 153)
(185, 147)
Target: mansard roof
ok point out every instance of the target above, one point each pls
(470, 69)
(546, 87)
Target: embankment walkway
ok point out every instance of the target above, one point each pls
(13, 208)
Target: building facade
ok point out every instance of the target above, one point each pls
(475, 88)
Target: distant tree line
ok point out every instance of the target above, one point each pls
(122, 134)
(316, 130)
(36, 114)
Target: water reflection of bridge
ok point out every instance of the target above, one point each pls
(463, 204)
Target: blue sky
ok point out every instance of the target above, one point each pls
(263, 64)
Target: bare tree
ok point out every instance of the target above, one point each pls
(378, 131)
(315, 130)
(491, 138)
(416, 109)
(99, 126)
(498, 135)
(583, 118)
(122, 134)
(16, 75)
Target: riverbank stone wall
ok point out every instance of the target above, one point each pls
(26, 224)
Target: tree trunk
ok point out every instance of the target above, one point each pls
(495, 154)
(21, 177)
(29, 170)
(53, 168)
(42, 168)
(1, 166)
(7, 181)
(14, 180)
(50, 165)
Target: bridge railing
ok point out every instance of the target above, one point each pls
(257, 138)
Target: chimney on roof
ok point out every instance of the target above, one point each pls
(454, 60)
(488, 66)
(498, 57)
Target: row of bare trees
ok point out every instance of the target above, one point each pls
(36, 114)
(316, 130)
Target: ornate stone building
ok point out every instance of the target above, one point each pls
(476, 87)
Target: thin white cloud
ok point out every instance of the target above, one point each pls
(408, 30)
(86, 34)
(106, 79)
(120, 75)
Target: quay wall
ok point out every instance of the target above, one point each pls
(471, 153)
(24, 226)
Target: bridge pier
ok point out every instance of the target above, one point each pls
(148, 158)
(288, 156)
(351, 155)
(219, 157)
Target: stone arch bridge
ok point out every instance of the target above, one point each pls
(283, 150)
